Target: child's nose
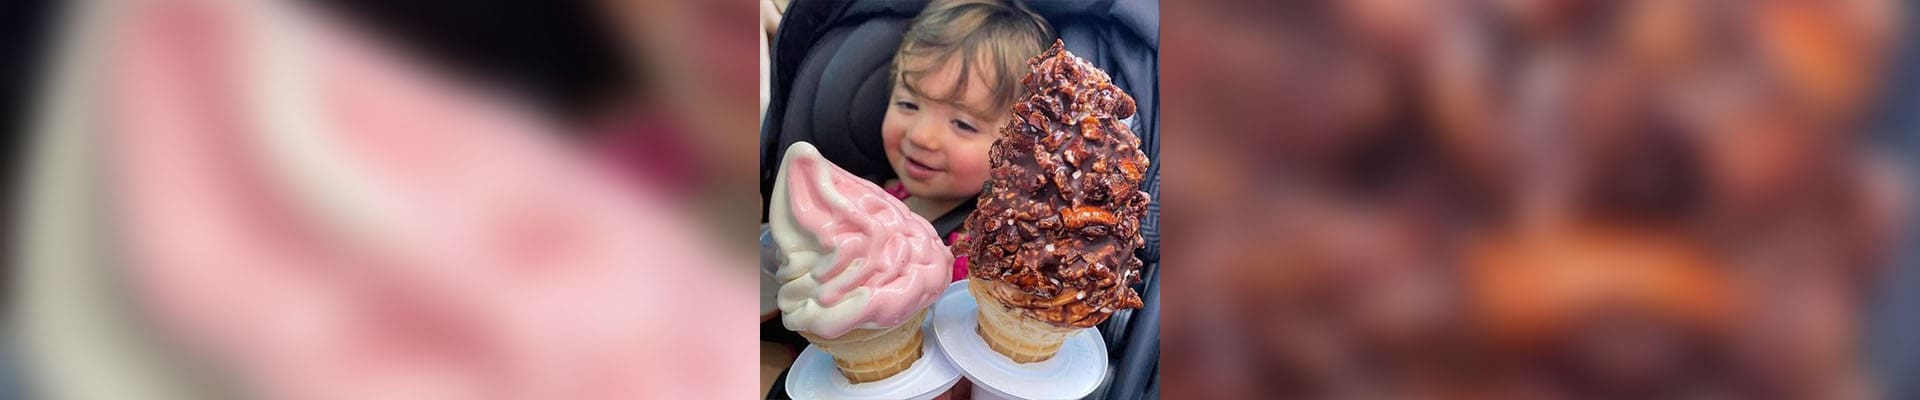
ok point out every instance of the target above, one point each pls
(925, 135)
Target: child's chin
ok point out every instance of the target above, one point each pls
(915, 187)
(925, 189)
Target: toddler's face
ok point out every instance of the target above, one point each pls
(939, 149)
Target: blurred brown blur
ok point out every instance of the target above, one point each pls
(1538, 199)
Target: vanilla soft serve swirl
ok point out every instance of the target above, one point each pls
(853, 257)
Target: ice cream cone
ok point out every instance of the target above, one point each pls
(1053, 234)
(867, 355)
(1012, 333)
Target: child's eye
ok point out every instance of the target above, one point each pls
(907, 105)
(964, 126)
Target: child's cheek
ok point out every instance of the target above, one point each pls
(891, 130)
(970, 172)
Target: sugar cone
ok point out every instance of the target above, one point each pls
(1011, 332)
(867, 355)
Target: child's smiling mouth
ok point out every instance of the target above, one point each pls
(920, 171)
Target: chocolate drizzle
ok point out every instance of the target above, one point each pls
(1060, 216)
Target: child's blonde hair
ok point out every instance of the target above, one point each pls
(1001, 34)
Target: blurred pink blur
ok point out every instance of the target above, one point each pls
(311, 214)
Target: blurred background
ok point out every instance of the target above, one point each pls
(1551, 199)
(409, 199)
(1368, 199)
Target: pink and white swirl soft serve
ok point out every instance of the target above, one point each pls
(853, 256)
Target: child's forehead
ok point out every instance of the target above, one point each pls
(924, 79)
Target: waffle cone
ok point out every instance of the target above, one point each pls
(867, 355)
(1012, 333)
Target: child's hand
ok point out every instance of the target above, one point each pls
(959, 260)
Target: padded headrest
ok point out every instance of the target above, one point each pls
(839, 95)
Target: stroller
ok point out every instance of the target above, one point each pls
(830, 85)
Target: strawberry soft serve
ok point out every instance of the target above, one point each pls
(853, 255)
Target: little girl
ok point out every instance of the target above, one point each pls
(955, 76)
